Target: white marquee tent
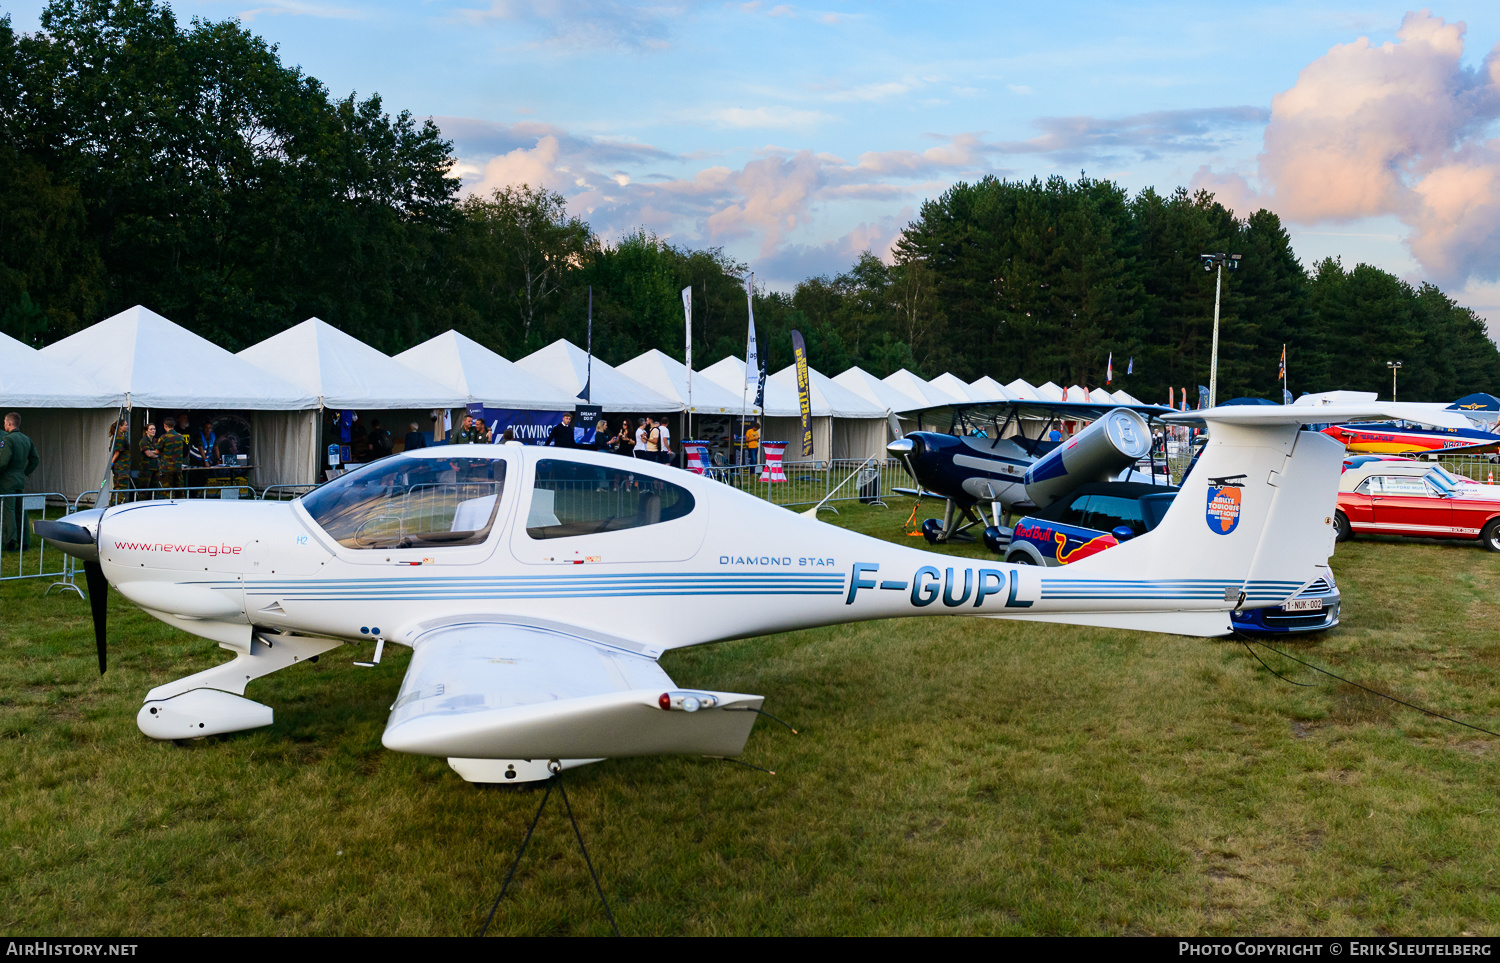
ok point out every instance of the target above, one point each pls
(147, 362)
(988, 389)
(481, 375)
(909, 384)
(951, 384)
(857, 428)
(782, 418)
(871, 388)
(340, 371)
(566, 366)
(668, 376)
(53, 402)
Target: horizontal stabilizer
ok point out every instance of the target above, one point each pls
(506, 691)
(1267, 415)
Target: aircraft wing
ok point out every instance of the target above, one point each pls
(498, 690)
(1064, 410)
(1251, 415)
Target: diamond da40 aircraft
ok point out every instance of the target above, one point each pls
(538, 586)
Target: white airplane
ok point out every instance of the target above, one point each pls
(539, 586)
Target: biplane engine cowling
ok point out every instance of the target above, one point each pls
(1099, 452)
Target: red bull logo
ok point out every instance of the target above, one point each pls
(1082, 550)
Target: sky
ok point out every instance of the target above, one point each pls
(797, 136)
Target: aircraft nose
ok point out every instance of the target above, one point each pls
(76, 535)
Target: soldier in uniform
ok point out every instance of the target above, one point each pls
(173, 448)
(472, 432)
(119, 459)
(150, 448)
(22, 461)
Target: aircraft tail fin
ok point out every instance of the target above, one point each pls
(1251, 526)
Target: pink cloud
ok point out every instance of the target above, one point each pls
(1384, 129)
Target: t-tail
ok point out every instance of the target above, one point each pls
(1251, 526)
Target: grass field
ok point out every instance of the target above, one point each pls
(951, 776)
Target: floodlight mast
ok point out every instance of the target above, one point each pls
(1210, 262)
(1395, 366)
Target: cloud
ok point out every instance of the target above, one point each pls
(772, 202)
(1390, 129)
(795, 262)
(1146, 135)
(481, 138)
(581, 24)
(763, 118)
(298, 8)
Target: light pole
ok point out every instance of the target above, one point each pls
(1210, 262)
(1395, 366)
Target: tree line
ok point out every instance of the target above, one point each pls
(187, 169)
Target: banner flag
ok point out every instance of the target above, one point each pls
(799, 352)
(588, 376)
(1202, 396)
(1281, 372)
(1130, 368)
(1109, 372)
(752, 356)
(1171, 397)
(687, 313)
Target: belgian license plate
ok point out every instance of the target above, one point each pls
(1304, 605)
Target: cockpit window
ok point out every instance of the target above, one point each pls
(406, 502)
(570, 498)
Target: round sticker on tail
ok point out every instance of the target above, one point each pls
(1223, 513)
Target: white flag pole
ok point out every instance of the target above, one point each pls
(752, 355)
(687, 311)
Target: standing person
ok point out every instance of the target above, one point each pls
(119, 458)
(752, 443)
(150, 449)
(602, 439)
(414, 439)
(665, 433)
(17, 460)
(471, 432)
(379, 439)
(201, 455)
(642, 427)
(562, 435)
(653, 440)
(624, 442)
(173, 448)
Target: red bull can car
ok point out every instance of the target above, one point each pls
(1099, 516)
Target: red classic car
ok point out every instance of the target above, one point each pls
(1412, 498)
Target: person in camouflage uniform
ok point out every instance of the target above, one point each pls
(150, 448)
(119, 459)
(173, 448)
(18, 459)
(472, 432)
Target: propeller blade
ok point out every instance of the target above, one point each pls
(98, 604)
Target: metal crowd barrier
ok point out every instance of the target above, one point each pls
(811, 482)
(284, 493)
(122, 496)
(34, 561)
(1480, 468)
